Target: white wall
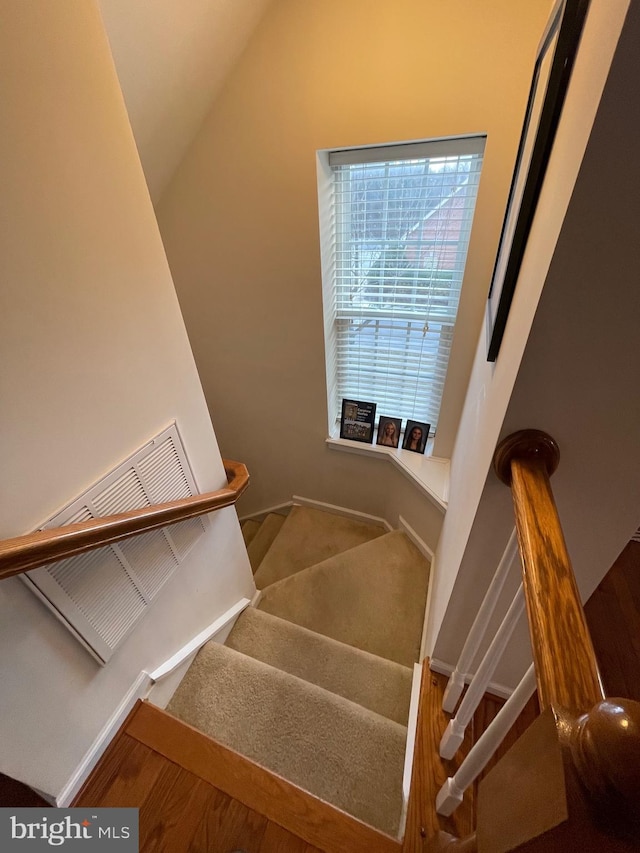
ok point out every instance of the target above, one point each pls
(95, 360)
(240, 221)
(562, 352)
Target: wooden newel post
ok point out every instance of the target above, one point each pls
(605, 748)
(566, 668)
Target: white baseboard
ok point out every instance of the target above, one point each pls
(256, 598)
(426, 640)
(420, 544)
(264, 512)
(412, 730)
(426, 552)
(493, 687)
(138, 690)
(342, 510)
(199, 640)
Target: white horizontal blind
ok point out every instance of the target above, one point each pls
(102, 595)
(399, 236)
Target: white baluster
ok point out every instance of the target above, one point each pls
(456, 682)
(450, 795)
(454, 733)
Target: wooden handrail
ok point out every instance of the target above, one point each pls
(572, 781)
(566, 667)
(46, 546)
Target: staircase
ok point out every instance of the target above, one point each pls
(315, 683)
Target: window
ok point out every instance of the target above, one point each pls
(395, 227)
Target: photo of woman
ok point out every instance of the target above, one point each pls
(415, 436)
(389, 432)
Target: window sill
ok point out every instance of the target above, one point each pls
(429, 473)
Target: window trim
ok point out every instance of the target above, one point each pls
(328, 158)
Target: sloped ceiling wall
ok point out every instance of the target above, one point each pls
(172, 57)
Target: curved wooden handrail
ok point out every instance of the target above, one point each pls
(566, 667)
(46, 546)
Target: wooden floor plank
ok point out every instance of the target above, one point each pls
(138, 774)
(278, 840)
(105, 773)
(16, 795)
(430, 771)
(228, 825)
(613, 617)
(182, 812)
(154, 806)
(319, 823)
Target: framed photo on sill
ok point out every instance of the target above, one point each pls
(551, 74)
(416, 434)
(389, 431)
(357, 421)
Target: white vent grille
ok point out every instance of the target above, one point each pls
(103, 594)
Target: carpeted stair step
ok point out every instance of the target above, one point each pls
(373, 682)
(249, 529)
(307, 537)
(372, 597)
(331, 747)
(264, 538)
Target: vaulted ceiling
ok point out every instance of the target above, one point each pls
(172, 57)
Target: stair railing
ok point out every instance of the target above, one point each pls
(572, 781)
(24, 553)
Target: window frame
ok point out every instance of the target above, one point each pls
(328, 159)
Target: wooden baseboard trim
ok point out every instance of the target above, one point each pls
(317, 822)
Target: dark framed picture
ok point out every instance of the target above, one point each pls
(357, 421)
(389, 431)
(552, 70)
(416, 434)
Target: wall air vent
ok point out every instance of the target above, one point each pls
(101, 596)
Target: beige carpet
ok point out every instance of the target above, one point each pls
(324, 743)
(315, 685)
(373, 682)
(249, 530)
(264, 538)
(372, 597)
(309, 536)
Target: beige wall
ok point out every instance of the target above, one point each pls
(94, 361)
(240, 224)
(172, 57)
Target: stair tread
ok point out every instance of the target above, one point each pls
(374, 682)
(263, 539)
(249, 529)
(324, 743)
(309, 536)
(372, 597)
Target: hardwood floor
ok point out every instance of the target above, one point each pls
(196, 795)
(17, 795)
(613, 616)
(178, 810)
(430, 771)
